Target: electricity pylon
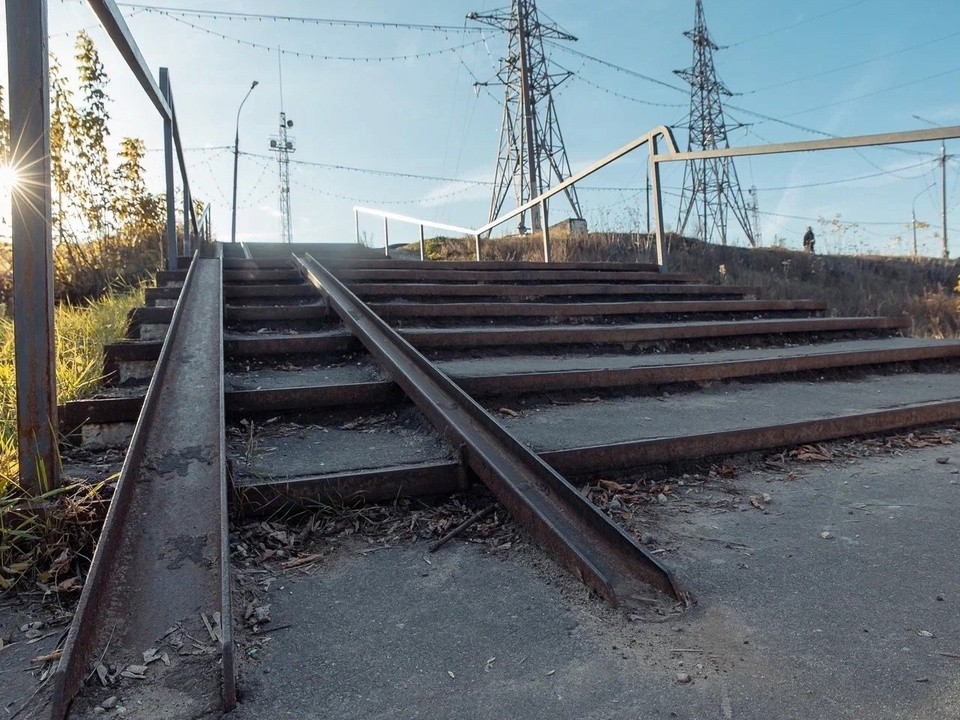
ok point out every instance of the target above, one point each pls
(711, 188)
(532, 154)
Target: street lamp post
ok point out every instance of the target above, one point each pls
(236, 158)
(943, 186)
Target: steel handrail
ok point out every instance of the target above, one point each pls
(650, 137)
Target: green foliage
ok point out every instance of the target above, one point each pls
(107, 228)
(82, 331)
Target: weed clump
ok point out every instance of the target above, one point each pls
(42, 536)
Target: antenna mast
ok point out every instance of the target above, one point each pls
(710, 187)
(284, 145)
(532, 153)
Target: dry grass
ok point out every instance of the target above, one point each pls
(45, 533)
(923, 289)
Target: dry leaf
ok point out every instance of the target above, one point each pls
(612, 486)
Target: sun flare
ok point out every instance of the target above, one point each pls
(8, 178)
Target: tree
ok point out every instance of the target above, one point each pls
(90, 134)
(137, 214)
(4, 130)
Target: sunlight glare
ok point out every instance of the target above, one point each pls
(8, 178)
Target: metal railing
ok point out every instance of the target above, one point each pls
(656, 158)
(32, 218)
(161, 95)
(540, 201)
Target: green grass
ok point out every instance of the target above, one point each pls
(41, 543)
(81, 333)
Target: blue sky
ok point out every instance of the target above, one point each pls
(837, 66)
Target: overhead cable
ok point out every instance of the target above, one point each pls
(317, 56)
(224, 15)
(375, 171)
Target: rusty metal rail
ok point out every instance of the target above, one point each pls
(584, 540)
(170, 499)
(445, 476)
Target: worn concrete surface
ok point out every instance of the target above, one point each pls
(787, 624)
(333, 443)
(320, 374)
(512, 364)
(726, 406)
(19, 678)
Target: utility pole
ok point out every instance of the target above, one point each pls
(711, 188)
(945, 253)
(755, 215)
(532, 153)
(943, 199)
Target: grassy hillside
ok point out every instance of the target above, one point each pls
(923, 289)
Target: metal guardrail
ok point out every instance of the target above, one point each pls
(541, 201)
(656, 158)
(32, 218)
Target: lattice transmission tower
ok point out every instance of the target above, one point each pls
(532, 154)
(284, 146)
(711, 189)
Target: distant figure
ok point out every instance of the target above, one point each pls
(808, 240)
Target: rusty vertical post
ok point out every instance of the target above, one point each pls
(31, 222)
(168, 167)
(657, 203)
(545, 224)
(423, 253)
(187, 243)
(476, 239)
(386, 237)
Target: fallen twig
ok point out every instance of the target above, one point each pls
(49, 657)
(463, 526)
(303, 560)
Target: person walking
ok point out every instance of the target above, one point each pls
(808, 240)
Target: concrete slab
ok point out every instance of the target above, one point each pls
(727, 406)
(333, 443)
(788, 624)
(514, 364)
(319, 374)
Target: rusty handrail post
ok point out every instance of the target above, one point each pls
(546, 230)
(386, 237)
(423, 253)
(31, 228)
(168, 171)
(657, 204)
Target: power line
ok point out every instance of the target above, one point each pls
(876, 92)
(729, 106)
(222, 15)
(831, 71)
(579, 76)
(618, 68)
(853, 179)
(374, 201)
(316, 56)
(375, 171)
(796, 24)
